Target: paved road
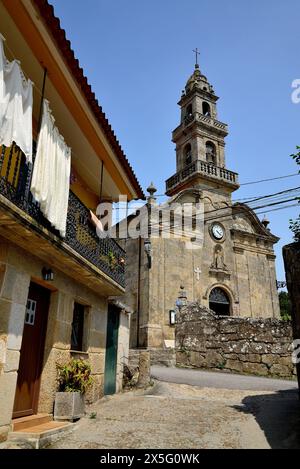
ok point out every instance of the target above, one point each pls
(220, 380)
(171, 415)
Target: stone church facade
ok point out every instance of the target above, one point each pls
(233, 272)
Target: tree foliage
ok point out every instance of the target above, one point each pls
(285, 306)
(295, 224)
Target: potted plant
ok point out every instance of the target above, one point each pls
(74, 378)
(112, 259)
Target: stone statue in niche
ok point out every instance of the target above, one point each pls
(218, 262)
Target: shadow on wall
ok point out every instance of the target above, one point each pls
(278, 415)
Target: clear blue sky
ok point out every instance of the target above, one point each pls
(137, 55)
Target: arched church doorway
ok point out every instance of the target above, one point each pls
(219, 302)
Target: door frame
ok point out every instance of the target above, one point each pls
(41, 350)
(114, 310)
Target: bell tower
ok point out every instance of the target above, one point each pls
(200, 141)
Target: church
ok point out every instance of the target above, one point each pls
(233, 272)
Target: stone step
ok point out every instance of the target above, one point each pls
(23, 423)
(41, 435)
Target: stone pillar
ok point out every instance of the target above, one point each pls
(57, 347)
(14, 286)
(273, 287)
(291, 256)
(198, 104)
(97, 347)
(123, 348)
(200, 148)
(221, 154)
(144, 369)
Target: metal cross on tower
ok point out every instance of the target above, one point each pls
(196, 53)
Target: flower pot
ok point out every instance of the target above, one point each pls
(68, 406)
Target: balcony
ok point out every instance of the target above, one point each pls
(202, 169)
(205, 121)
(103, 258)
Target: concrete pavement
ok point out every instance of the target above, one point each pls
(171, 415)
(210, 410)
(220, 380)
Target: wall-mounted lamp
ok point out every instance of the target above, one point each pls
(182, 298)
(148, 251)
(172, 317)
(47, 274)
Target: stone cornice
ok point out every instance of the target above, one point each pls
(197, 92)
(220, 272)
(208, 123)
(239, 209)
(240, 248)
(247, 234)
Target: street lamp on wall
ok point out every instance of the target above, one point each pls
(182, 298)
(47, 274)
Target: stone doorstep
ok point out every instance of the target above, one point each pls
(23, 423)
(40, 435)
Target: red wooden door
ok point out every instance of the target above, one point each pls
(32, 350)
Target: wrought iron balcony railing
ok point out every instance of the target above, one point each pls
(199, 167)
(105, 254)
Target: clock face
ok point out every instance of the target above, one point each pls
(217, 231)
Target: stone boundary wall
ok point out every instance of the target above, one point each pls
(234, 344)
(161, 357)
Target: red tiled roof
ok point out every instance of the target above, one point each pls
(59, 36)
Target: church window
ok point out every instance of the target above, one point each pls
(206, 109)
(211, 156)
(188, 154)
(219, 302)
(189, 110)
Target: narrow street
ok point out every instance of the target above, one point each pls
(218, 412)
(220, 380)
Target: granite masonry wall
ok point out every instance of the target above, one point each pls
(17, 269)
(234, 344)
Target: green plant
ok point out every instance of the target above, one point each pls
(74, 376)
(295, 228)
(221, 365)
(93, 415)
(295, 224)
(285, 306)
(111, 257)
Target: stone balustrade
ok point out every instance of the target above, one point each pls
(200, 167)
(198, 117)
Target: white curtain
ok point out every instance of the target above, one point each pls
(51, 172)
(15, 105)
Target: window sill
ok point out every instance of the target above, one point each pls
(79, 352)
